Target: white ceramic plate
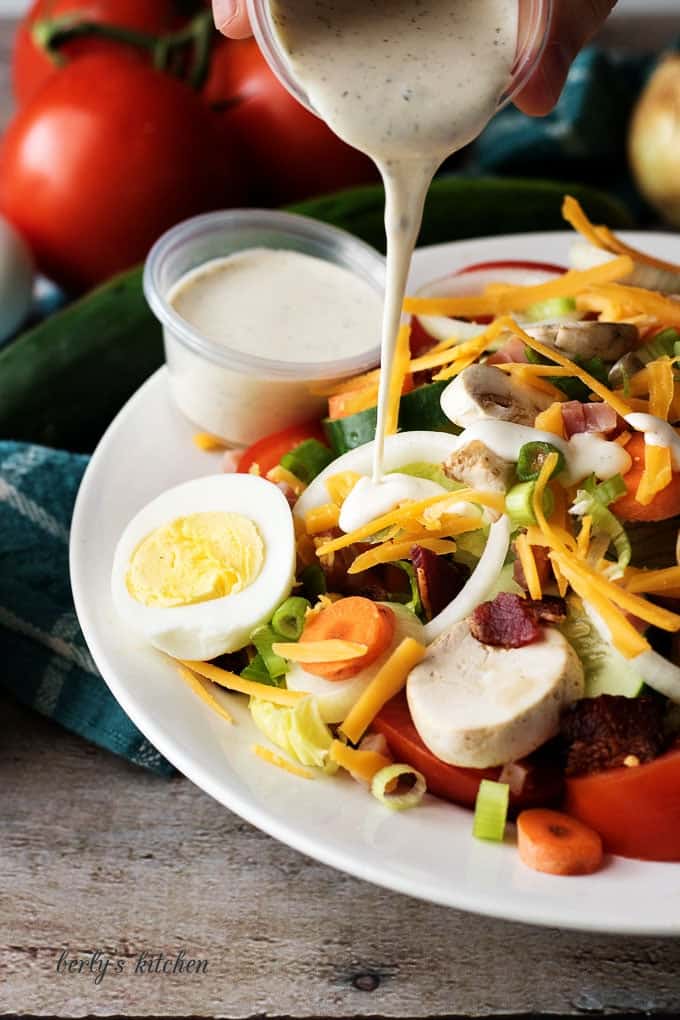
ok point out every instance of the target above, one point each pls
(428, 853)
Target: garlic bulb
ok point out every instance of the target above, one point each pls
(654, 140)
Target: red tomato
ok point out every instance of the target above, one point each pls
(107, 156)
(290, 153)
(635, 810)
(514, 264)
(30, 64)
(664, 505)
(451, 782)
(267, 452)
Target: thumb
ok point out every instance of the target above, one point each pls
(573, 25)
(231, 18)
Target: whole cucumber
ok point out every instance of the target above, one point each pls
(63, 381)
(462, 207)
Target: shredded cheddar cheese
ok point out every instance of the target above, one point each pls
(604, 238)
(655, 581)
(202, 689)
(400, 367)
(389, 552)
(322, 518)
(387, 682)
(412, 512)
(661, 387)
(583, 540)
(281, 475)
(330, 650)
(657, 474)
(207, 442)
(339, 486)
(232, 682)
(551, 420)
(362, 765)
(516, 299)
(528, 564)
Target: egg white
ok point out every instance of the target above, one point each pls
(207, 629)
(336, 697)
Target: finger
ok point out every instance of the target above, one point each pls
(574, 23)
(231, 18)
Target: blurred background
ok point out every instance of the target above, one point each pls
(119, 118)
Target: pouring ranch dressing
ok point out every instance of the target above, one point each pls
(408, 83)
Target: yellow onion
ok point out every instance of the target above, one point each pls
(654, 140)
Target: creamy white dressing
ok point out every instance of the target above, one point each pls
(585, 453)
(657, 433)
(408, 84)
(370, 499)
(280, 304)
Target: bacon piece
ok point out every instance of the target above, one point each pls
(600, 733)
(578, 417)
(512, 352)
(508, 622)
(550, 609)
(439, 580)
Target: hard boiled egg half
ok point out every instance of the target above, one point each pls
(204, 564)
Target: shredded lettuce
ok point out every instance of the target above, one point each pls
(593, 500)
(299, 731)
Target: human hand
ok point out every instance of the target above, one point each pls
(574, 23)
(231, 18)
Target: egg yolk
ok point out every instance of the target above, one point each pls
(194, 559)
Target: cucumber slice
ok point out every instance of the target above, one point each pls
(606, 671)
(419, 409)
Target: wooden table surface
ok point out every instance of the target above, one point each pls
(99, 856)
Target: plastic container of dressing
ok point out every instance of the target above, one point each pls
(224, 387)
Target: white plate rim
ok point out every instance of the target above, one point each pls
(534, 912)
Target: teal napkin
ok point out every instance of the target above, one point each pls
(44, 661)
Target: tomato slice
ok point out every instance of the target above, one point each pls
(268, 451)
(635, 810)
(451, 782)
(533, 267)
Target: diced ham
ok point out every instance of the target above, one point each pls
(578, 417)
(512, 352)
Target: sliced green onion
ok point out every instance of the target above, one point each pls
(385, 787)
(531, 458)
(307, 460)
(519, 504)
(289, 618)
(415, 603)
(491, 810)
(263, 639)
(553, 308)
(256, 670)
(313, 582)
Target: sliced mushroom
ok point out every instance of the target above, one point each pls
(479, 467)
(606, 340)
(477, 706)
(483, 391)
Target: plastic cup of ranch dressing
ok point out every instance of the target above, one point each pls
(258, 310)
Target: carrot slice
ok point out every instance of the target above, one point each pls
(664, 504)
(557, 844)
(354, 619)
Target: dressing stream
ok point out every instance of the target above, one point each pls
(408, 82)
